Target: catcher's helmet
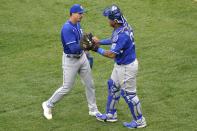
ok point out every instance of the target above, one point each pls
(113, 12)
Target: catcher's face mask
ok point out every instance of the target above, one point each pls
(113, 12)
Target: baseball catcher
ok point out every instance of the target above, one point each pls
(123, 77)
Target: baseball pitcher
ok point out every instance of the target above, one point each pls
(74, 60)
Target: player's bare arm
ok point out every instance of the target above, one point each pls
(109, 54)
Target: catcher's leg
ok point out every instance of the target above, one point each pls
(133, 102)
(113, 97)
(112, 103)
(135, 108)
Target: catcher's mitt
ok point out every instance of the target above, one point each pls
(87, 43)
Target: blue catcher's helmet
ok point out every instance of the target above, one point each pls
(113, 12)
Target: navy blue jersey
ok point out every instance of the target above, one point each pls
(123, 45)
(70, 36)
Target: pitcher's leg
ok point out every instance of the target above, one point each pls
(69, 75)
(58, 95)
(86, 76)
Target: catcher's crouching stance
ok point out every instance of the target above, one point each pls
(123, 78)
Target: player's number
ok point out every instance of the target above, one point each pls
(132, 36)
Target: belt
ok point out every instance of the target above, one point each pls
(77, 56)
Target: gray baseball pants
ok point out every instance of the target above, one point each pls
(72, 66)
(124, 76)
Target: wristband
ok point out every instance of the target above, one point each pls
(101, 51)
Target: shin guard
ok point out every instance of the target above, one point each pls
(133, 103)
(113, 97)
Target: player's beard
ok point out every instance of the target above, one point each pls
(111, 24)
(79, 19)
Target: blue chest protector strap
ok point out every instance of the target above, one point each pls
(113, 97)
(133, 103)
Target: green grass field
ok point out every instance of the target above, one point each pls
(31, 68)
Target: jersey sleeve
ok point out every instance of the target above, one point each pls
(105, 42)
(70, 40)
(68, 36)
(119, 45)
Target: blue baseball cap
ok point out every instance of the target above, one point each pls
(76, 9)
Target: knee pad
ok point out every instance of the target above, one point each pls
(113, 97)
(133, 103)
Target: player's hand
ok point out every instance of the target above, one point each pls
(87, 42)
(96, 40)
